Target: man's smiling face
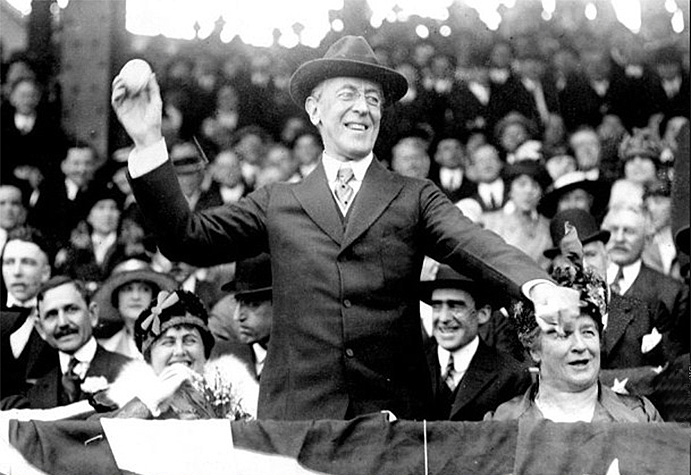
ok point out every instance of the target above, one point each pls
(348, 113)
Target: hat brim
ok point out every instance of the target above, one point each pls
(311, 73)
(602, 236)
(253, 294)
(427, 287)
(104, 296)
(599, 191)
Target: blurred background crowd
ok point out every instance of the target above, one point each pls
(514, 125)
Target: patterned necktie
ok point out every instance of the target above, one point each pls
(71, 382)
(344, 192)
(616, 283)
(449, 374)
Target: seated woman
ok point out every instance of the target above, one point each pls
(178, 381)
(567, 389)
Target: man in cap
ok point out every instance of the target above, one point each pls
(346, 246)
(252, 314)
(468, 377)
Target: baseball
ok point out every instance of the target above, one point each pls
(135, 75)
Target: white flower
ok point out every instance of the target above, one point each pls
(650, 341)
(619, 387)
(94, 384)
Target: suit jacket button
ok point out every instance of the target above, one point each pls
(347, 303)
(349, 353)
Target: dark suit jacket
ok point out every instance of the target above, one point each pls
(491, 379)
(652, 287)
(629, 320)
(346, 336)
(46, 392)
(35, 360)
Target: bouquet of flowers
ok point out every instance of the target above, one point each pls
(218, 397)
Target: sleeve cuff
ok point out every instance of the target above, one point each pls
(527, 288)
(144, 160)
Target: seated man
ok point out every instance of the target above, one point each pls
(468, 377)
(66, 319)
(568, 389)
(24, 356)
(253, 314)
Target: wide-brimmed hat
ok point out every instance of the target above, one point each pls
(531, 168)
(252, 279)
(584, 222)
(447, 278)
(132, 270)
(598, 189)
(350, 56)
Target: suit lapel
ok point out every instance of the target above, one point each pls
(377, 191)
(46, 392)
(314, 196)
(479, 375)
(620, 314)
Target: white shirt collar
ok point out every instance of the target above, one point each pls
(259, 357)
(72, 189)
(331, 166)
(102, 244)
(630, 273)
(461, 358)
(84, 355)
(13, 302)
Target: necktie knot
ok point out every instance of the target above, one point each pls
(344, 192)
(617, 282)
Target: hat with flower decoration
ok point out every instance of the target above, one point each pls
(642, 143)
(567, 271)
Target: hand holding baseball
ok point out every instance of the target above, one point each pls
(136, 100)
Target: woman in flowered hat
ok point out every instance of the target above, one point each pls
(178, 380)
(568, 389)
(640, 154)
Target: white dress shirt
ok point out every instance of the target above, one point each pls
(492, 194)
(20, 337)
(629, 272)
(461, 359)
(24, 123)
(84, 355)
(359, 167)
(451, 178)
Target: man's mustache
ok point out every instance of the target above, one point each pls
(65, 331)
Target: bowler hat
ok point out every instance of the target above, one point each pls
(252, 279)
(350, 56)
(585, 224)
(447, 278)
(598, 189)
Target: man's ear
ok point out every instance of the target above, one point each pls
(535, 355)
(312, 108)
(484, 313)
(93, 314)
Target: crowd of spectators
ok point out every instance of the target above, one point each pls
(512, 135)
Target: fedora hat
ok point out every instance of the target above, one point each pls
(350, 56)
(131, 270)
(447, 278)
(252, 279)
(598, 189)
(585, 224)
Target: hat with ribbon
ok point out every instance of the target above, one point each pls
(252, 279)
(168, 310)
(133, 269)
(585, 224)
(350, 56)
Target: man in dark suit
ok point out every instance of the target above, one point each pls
(253, 315)
(66, 321)
(450, 175)
(468, 377)
(346, 247)
(24, 355)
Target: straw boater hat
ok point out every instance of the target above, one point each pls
(585, 224)
(350, 56)
(131, 270)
